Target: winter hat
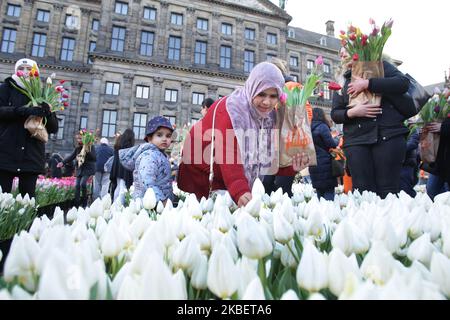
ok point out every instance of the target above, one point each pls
(157, 122)
(104, 141)
(27, 62)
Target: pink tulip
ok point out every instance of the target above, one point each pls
(20, 73)
(319, 61)
(371, 21)
(283, 98)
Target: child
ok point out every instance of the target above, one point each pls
(150, 165)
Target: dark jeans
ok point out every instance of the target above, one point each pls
(436, 185)
(272, 183)
(27, 182)
(81, 185)
(377, 167)
(327, 194)
(408, 180)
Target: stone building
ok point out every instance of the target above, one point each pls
(126, 61)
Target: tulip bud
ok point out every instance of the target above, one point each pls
(149, 200)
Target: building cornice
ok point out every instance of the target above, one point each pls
(47, 66)
(309, 44)
(106, 57)
(280, 14)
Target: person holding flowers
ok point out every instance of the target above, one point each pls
(85, 156)
(374, 132)
(22, 155)
(242, 127)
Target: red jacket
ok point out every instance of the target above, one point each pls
(193, 173)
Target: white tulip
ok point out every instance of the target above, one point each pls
(200, 273)
(349, 238)
(113, 241)
(140, 224)
(384, 231)
(130, 288)
(159, 207)
(22, 260)
(312, 272)
(247, 269)
(276, 197)
(158, 282)
(222, 273)
(253, 239)
(316, 296)
(58, 217)
(254, 291)
(18, 293)
(62, 279)
(289, 295)
(440, 272)
(339, 266)
(36, 229)
(4, 294)
(187, 253)
(446, 240)
(149, 200)
(282, 229)
(253, 207)
(378, 264)
(222, 219)
(72, 215)
(287, 259)
(421, 249)
(193, 207)
(95, 210)
(258, 188)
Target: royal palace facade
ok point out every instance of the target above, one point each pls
(127, 61)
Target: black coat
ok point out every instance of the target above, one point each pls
(118, 171)
(412, 146)
(19, 152)
(321, 176)
(443, 155)
(394, 102)
(55, 172)
(88, 167)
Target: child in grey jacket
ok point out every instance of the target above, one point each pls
(150, 165)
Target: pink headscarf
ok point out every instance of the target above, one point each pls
(255, 132)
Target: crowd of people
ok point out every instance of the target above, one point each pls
(233, 144)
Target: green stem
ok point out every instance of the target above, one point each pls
(292, 252)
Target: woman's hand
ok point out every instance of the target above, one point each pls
(300, 161)
(433, 127)
(244, 199)
(364, 110)
(60, 165)
(357, 85)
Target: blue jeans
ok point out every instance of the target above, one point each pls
(327, 194)
(436, 185)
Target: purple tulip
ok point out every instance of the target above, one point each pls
(437, 109)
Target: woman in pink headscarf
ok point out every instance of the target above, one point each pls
(242, 127)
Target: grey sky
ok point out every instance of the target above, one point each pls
(418, 35)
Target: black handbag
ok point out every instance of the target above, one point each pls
(337, 163)
(417, 92)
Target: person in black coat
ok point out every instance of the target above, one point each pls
(83, 172)
(21, 155)
(101, 180)
(321, 177)
(443, 154)
(374, 135)
(55, 172)
(118, 172)
(409, 174)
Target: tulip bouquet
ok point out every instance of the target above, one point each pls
(55, 96)
(435, 110)
(363, 47)
(295, 134)
(366, 52)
